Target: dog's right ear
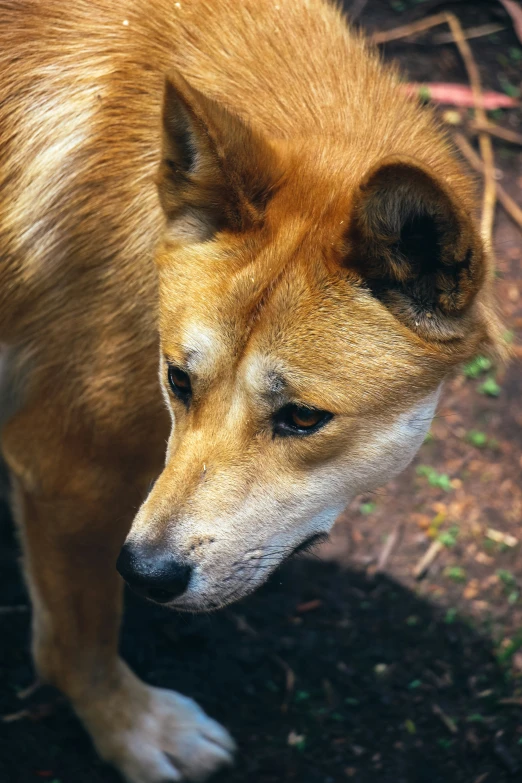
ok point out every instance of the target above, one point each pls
(216, 172)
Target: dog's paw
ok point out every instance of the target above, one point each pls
(153, 735)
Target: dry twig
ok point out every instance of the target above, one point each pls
(427, 559)
(511, 702)
(356, 9)
(472, 32)
(515, 12)
(26, 693)
(389, 546)
(511, 207)
(409, 29)
(486, 148)
(289, 680)
(501, 133)
(447, 721)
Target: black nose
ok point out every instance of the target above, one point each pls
(152, 572)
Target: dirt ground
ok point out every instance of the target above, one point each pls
(346, 666)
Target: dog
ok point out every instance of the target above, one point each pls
(243, 194)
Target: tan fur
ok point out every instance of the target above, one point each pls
(290, 168)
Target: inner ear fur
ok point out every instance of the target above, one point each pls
(215, 168)
(417, 248)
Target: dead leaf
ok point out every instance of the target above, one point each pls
(459, 95)
(309, 606)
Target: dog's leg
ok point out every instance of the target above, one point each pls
(71, 542)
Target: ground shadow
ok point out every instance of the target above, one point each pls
(369, 682)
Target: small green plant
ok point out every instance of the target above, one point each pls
(367, 508)
(477, 438)
(505, 654)
(475, 717)
(449, 537)
(490, 387)
(506, 577)
(435, 479)
(424, 93)
(451, 616)
(456, 573)
(477, 366)
(509, 88)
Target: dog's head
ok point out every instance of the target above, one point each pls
(311, 302)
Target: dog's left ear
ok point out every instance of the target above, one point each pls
(416, 248)
(216, 171)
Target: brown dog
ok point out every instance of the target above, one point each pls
(319, 273)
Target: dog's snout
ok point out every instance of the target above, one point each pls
(153, 573)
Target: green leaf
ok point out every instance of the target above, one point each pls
(456, 573)
(477, 366)
(435, 479)
(449, 537)
(508, 88)
(506, 653)
(367, 508)
(490, 387)
(451, 616)
(410, 726)
(506, 577)
(476, 438)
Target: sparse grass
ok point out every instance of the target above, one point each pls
(435, 479)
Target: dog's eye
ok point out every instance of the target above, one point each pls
(299, 420)
(180, 383)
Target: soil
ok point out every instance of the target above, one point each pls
(345, 666)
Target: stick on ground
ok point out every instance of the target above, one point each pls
(511, 207)
(486, 147)
(427, 559)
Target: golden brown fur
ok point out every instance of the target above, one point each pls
(290, 168)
